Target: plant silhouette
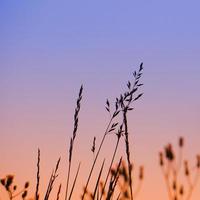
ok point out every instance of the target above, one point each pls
(117, 181)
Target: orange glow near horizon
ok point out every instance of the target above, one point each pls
(52, 137)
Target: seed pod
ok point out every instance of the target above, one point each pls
(186, 168)
(181, 191)
(141, 172)
(24, 194)
(174, 185)
(198, 161)
(161, 159)
(169, 152)
(181, 142)
(26, 185)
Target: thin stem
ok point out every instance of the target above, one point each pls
(48, 187)
(118, 196)
(58, 193)
(97, 154)
(38, 177)
(127, 150)
(74, 181)
(53, 177)
(113, 181)
(166, 172)
(166, 176)
(68, 175)
(97, 183)
(116, 147)
(192, 185)
(13, 196)
(76, 119)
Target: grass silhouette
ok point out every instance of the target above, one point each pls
(171, 164)
(118, 181)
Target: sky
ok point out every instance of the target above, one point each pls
(49, 48)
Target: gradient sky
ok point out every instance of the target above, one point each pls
(49, 48)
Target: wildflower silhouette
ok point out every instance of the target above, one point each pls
(171, 165)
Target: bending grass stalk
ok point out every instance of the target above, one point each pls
(97, 154)
(74, 181)
(58, 193)
(113, 181)
(97, 183)
(114, 154)
(118, 196)
(17, 194)
(48, 187)
(53, 177)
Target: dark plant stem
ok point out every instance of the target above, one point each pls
(74, 181)
(94, 162)
(38, 177)
(17, 194)
(48, 187)
(113, 181)
(10, 194)
(58, 193)
(113, 157)
(127, 149)
(76, 119)
(97, 183)
(68, 175)
(53, 177)
(118, 196)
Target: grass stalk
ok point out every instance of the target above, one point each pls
(128, 150)
(53, 177)
(113, 157)
(113, 181)
(74, 182)
(94, 162)
(77, 109)
(97, 183)
(58, 193)
(38, 177)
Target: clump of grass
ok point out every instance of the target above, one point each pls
(118, 186)
(117, 126)
(122, 105)
(171, 165)
(118, 182)
(113, 181)
(124, 182)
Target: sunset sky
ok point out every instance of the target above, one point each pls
(49, 48)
